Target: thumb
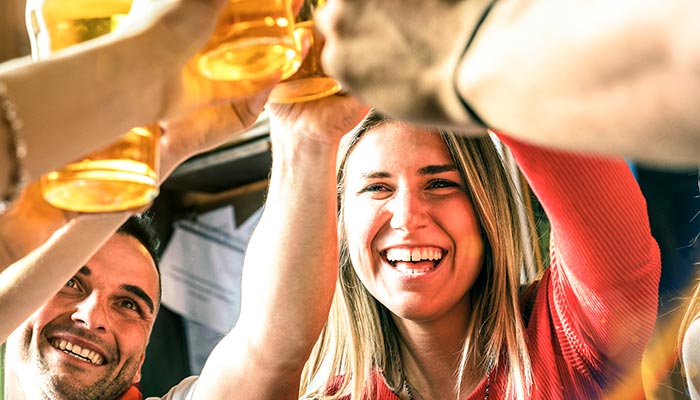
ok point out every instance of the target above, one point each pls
(305, 38)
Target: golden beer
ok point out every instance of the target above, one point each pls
(310, 82)
(253, 41)
(123, 175)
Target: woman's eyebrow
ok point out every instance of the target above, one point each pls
(436, 169)
(375, 175)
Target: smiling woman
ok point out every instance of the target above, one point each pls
(428, 301)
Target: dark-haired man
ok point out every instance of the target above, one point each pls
(89, 340)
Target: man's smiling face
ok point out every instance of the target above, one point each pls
(89, 340)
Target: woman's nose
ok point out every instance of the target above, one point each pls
(409, 211)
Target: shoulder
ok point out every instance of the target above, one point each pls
(182, 391)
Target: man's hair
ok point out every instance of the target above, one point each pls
(141, 227)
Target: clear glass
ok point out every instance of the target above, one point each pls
(253, 42)
(123, 175)
(310, 82)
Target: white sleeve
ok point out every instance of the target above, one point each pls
(182, 391)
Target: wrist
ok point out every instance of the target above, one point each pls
(16, 149)
(302, 159)
(452, 92)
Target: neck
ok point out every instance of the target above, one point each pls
(431, 353)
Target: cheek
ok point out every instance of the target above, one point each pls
(53, 311)
(470, 244)
(360, 229)
(359, 236)
(133, 337)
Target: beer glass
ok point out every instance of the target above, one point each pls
(309, 82)
(125, 174)
(252, 43)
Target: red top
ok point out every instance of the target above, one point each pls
(595, 308)
(132, 394)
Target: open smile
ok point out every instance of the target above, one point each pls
(414, 260)
(77, 351)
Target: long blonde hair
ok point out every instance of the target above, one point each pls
(360, 338)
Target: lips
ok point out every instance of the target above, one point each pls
(414, 260)
(77, 351)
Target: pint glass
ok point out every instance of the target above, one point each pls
(123, 175)
(253, 42)
(309, 82)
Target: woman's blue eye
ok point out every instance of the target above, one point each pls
(374, 188)
(442, 183)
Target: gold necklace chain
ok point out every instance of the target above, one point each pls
(409, 389)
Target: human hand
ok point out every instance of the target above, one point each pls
(28, 223)
(181, 33)
(387, 52)
(228, 112)
(181, 27)
(208, 128)
(325, 120)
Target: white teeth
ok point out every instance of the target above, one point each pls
(416, 254)
(77, 351)
(406, 270)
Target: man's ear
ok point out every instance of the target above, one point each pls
(137, 377)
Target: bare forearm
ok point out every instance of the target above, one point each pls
(597, 76)
(288, 282)
(28, 283)
(81, 99)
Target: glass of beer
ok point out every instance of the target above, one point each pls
(309, 82)
(123, 175)
(253, 43)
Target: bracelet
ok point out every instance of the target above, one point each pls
(455, 74)
(17, 149)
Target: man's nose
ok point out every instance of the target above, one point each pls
(409, 211)
(92, 313)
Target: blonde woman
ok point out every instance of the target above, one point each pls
(428, 303)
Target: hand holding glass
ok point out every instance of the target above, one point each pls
(310, 82)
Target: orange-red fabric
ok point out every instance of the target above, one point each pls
(132, 394)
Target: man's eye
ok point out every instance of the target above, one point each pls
(130, 305)
(71, 283)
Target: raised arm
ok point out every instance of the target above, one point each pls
(584, 75)
(42, 247)
(291, 264)
(605, 265)
(87, 95)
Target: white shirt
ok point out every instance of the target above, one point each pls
(182, 391)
